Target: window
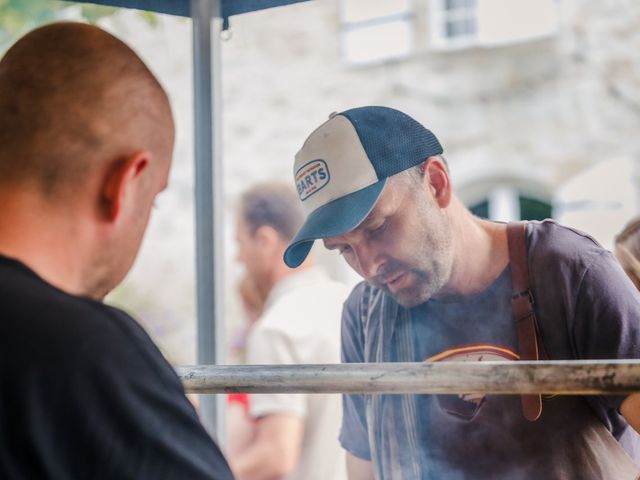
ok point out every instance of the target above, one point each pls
(507, 204)
(486, 23)
(453, 23)
(375, 31)
(460, 20)
(534, 209)
(480, 209)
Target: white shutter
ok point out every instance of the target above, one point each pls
(375, 31)
(353, 11)
(508, 21)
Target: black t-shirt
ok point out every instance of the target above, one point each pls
(85, 394)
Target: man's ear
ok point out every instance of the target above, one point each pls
(436, 178)
(116, 185)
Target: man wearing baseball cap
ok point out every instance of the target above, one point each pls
(443, 285)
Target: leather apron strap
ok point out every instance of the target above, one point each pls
(522, 308)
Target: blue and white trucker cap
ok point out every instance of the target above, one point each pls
(344, 165)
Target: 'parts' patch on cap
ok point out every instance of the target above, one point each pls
(311, 178)
(331, 164)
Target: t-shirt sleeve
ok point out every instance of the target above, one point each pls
(353, 433)
(121, 412)
(266, 346)
(606, 323)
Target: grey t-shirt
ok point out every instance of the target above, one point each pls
(586, 309)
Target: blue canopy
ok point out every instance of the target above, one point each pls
(183, 7)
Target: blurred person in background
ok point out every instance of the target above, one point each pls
(252, 301)
(240, 424)
(443, 285)
(296, 435)
(627, 250)
(86, 140)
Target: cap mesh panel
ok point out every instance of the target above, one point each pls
(392, 140)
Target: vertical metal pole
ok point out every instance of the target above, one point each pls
(207, 25)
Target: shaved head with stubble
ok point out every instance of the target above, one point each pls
(86, 138)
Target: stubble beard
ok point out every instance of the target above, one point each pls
(432, 269)
(423, 287)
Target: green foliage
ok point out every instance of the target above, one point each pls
(93, 13)
(20, 16)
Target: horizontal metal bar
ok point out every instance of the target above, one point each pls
(552, 377)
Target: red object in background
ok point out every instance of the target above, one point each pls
(240, 398)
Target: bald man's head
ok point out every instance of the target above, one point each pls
(74, 99)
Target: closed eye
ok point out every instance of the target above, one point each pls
(341, 248)
(376, 232)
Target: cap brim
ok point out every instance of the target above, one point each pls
(334, 218)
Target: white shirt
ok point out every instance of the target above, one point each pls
(301, 324)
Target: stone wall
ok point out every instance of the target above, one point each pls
(532, 115)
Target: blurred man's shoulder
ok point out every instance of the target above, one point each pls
(308, 303)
